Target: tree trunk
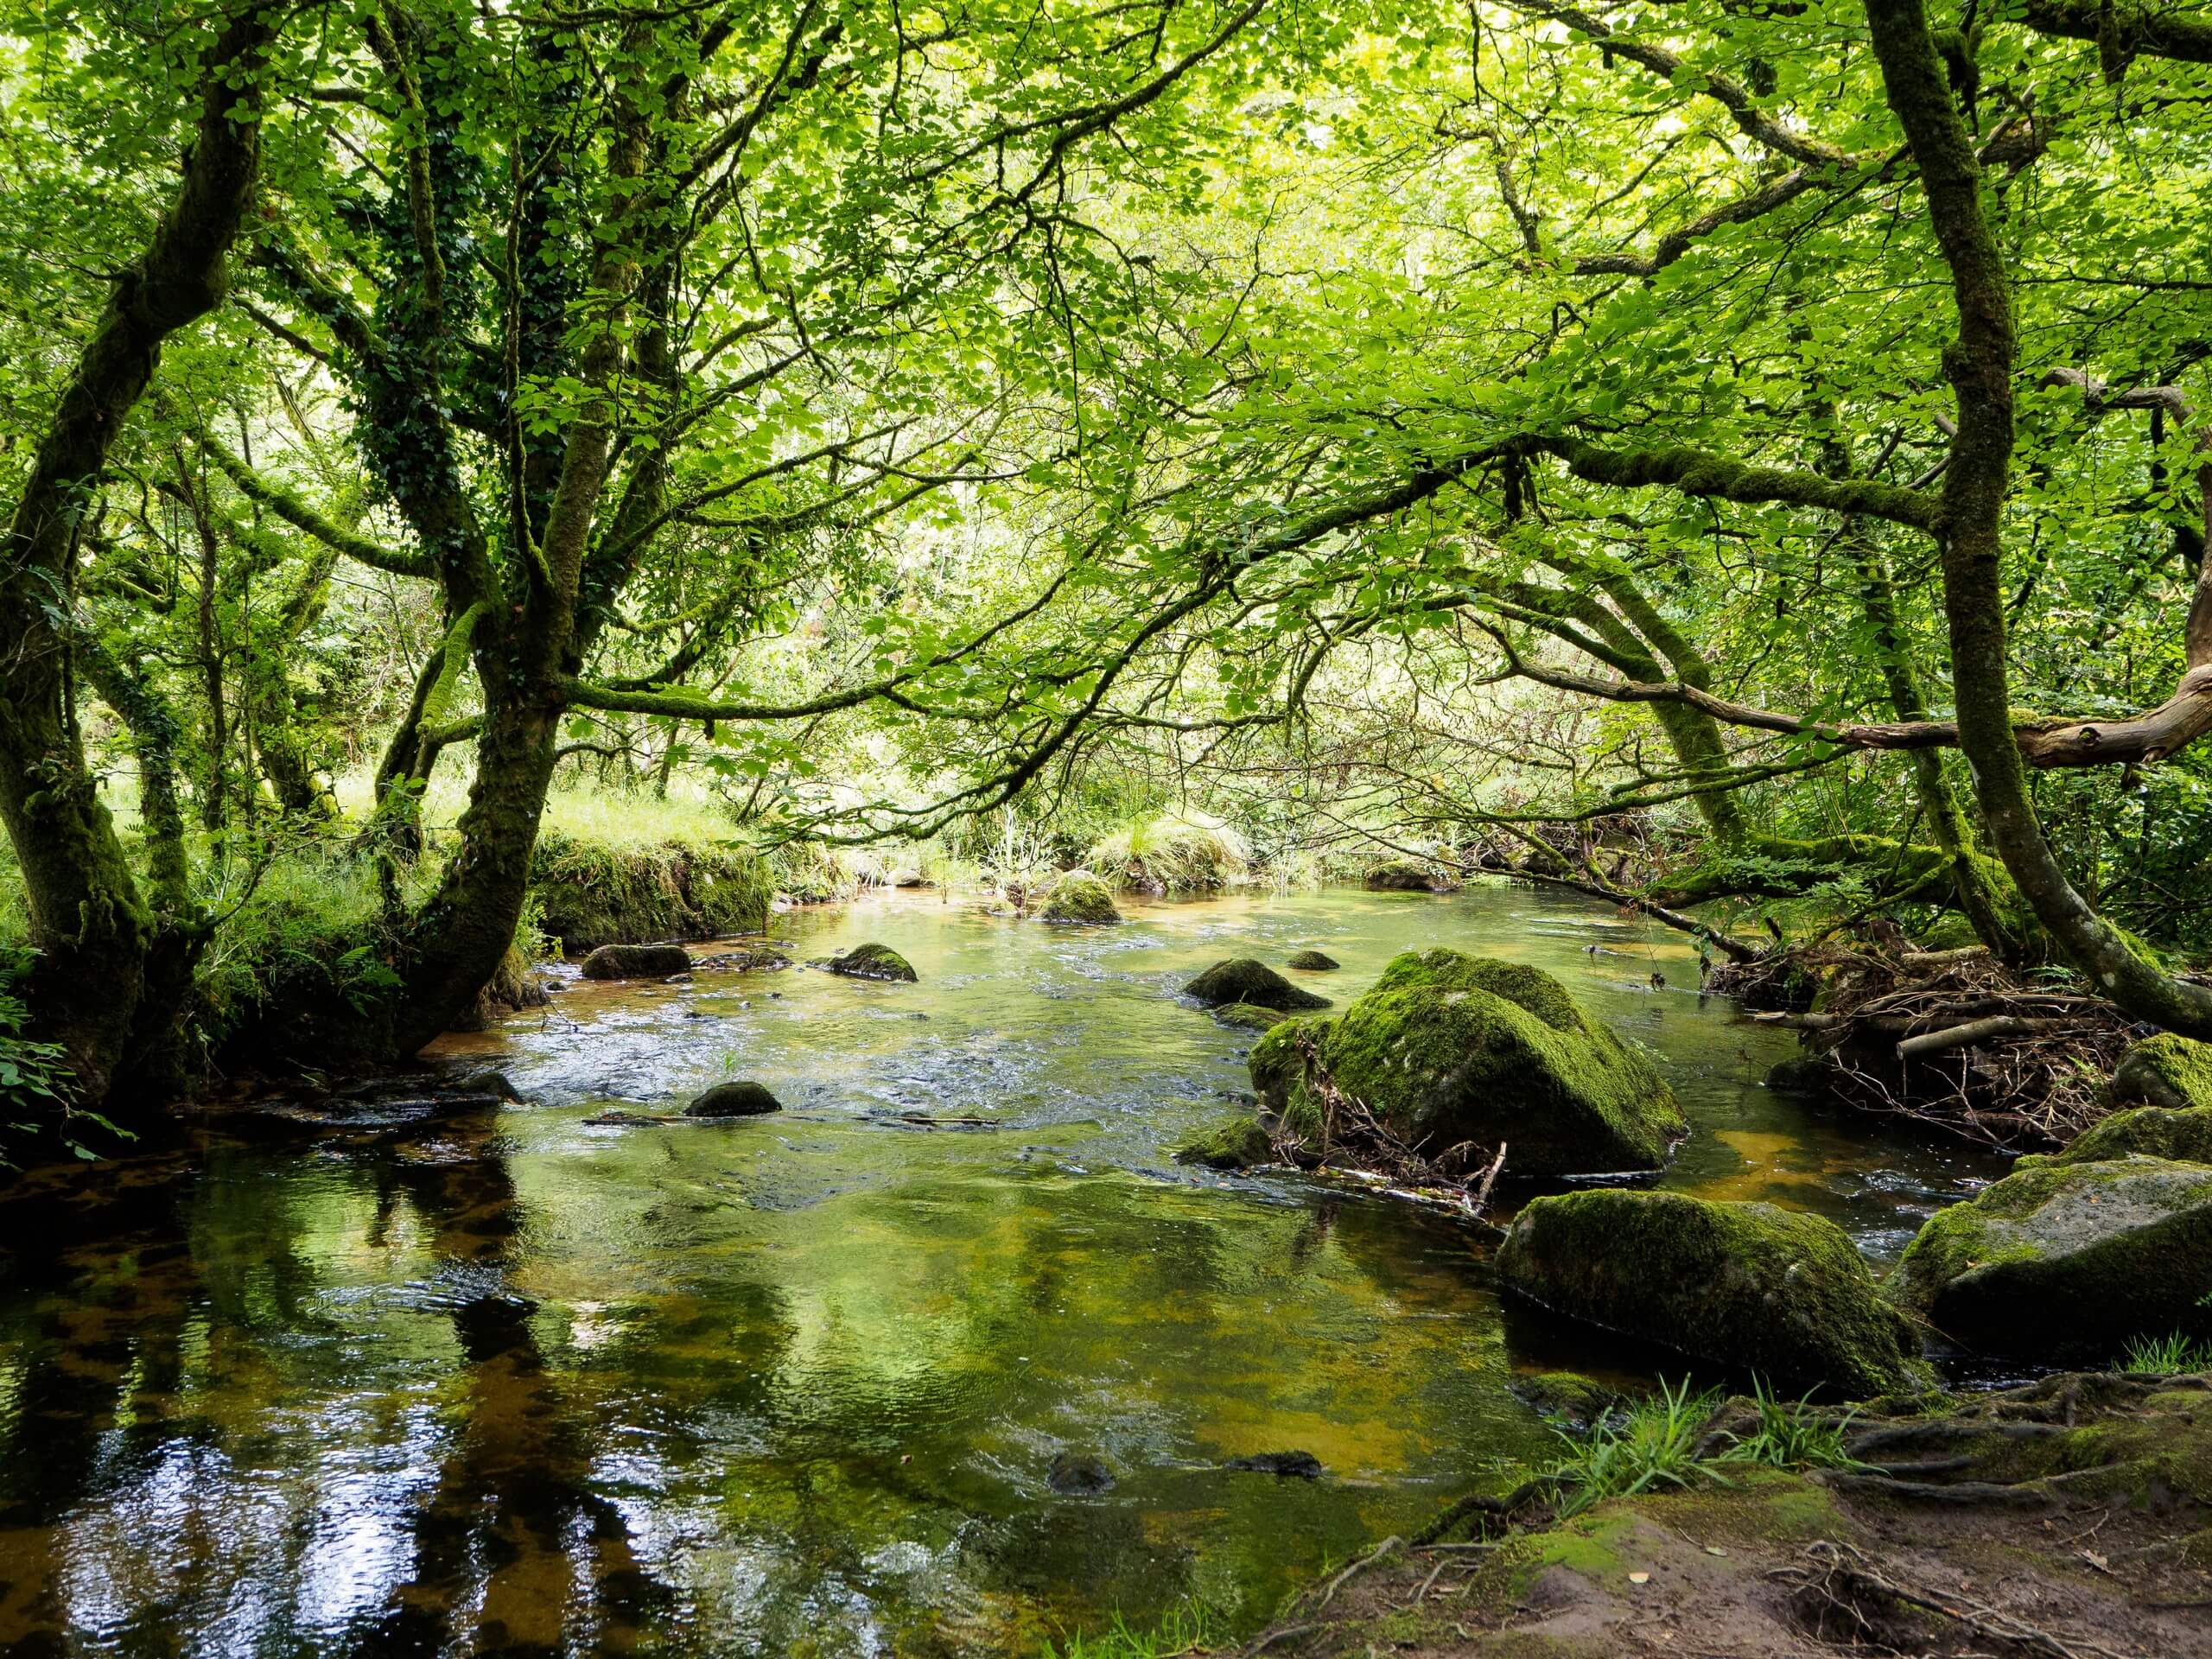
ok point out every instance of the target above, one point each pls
(94, 931)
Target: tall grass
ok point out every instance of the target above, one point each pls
(2174, 1353)
(1181, 850)
(1188, 1628)
(1653, 1444)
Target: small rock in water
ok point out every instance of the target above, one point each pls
(1314, 962)
(746, 1099)
(1079, 1474)
(489, 1081)
(1241, 979)
(636, 961)
(870, 962)
(1294, 1466)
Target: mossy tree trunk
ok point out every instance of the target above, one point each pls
(106, 973)
(1980, 363)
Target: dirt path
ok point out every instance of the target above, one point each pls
(2069, 1520)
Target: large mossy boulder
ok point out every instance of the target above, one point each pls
(1447, 1048)
(2147, 1131)
(1404, 875)
(636, 961)
(2164, 1071)
(1748, 1286)
(870, 962)
(1244, 979)
(1081, 897)
(2068, 1261)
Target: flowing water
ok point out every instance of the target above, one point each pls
(797, 1384)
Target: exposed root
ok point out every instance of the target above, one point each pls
(1845, 1594)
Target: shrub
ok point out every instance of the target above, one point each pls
(1171, 852)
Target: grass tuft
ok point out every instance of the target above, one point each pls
(1188, 1628)
(2172, 1355)
(1792, 1434)
(1653, 1442)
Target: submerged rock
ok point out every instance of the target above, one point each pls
(745, 1099)
(1750, 1286)
(1079, 1474)
(2068, 1259)
(1244, 979)
(761, 956)
(1249, 1016)
(1292, 1465)
(636, 961)
(1448, 1049)
(870, 962)
(1404, 875)
(1566, 1397)
(488, 1081)
(1081, 897)
(2164, 1071)
(1314, 962)
(1235, 1142)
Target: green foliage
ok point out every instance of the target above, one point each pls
(2176, 1354)
(1794, 1433)
(1187, 851)
(37, 1090)
(1652, 1444)
(1188, 1627)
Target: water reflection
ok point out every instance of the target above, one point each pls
(517, 1384)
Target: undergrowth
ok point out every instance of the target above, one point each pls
(1189, 1627)
(1792, 1434)
(1175, 851)
(1653, 1442)
(2176, 1354)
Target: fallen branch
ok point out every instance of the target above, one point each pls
(1976, 1031)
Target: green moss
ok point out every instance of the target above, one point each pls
(1749, 1286)
(1449, 1048)
(2165, 1070)
(2148, 1131)
(1235, 1143)
(1248, 1016)
(1757, 1506)
(2067, 1259)
(1080, 897)
(592, 894)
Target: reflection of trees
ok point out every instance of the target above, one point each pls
(92, 1326)
(515, 1552)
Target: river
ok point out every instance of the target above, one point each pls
(797, 1384)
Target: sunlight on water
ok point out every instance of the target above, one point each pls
(799, 1383)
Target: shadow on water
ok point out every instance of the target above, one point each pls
(518, 1384)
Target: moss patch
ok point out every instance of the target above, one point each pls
(1233, 1142)
(2068, 1258)
(2165, 1070)
(1079, 897)
(591, 894)
(2148, 1131)
(1449, 1048)
(1749, 1286)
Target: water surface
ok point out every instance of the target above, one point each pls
(517, 1383)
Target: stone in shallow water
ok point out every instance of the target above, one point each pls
(742, 1099)
(1404, 875)
(1315, 961)
(1235, 1143)
(1749, 1286)
(1448, 1050)
(1249, 1016)
(1079, 1474)
(870, 961)
(1246, 979)
(1292, 1465)
(2068, 1260)
(1081, 897)
(636, 961)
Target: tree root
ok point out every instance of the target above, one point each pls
(1838, 1578)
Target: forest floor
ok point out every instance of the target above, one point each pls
(2071, 1519)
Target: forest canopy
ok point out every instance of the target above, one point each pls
(1707, 454)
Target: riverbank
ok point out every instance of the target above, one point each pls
(2069, 1519)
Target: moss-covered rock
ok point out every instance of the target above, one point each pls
(1567, 1398)
(1314, 962)
(591, 894)
(2148, 1131)
(1405, 875)
(870, 961)
(745, 1099)
(1447, 1048)
(1750, 1286)
(2164, 1071)
(1244, 979)
(1233, 1142)
(636, 961)
(1249, 1016)
(2068, 1259)
(1081, 897)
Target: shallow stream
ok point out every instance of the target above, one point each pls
(797, 1384)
